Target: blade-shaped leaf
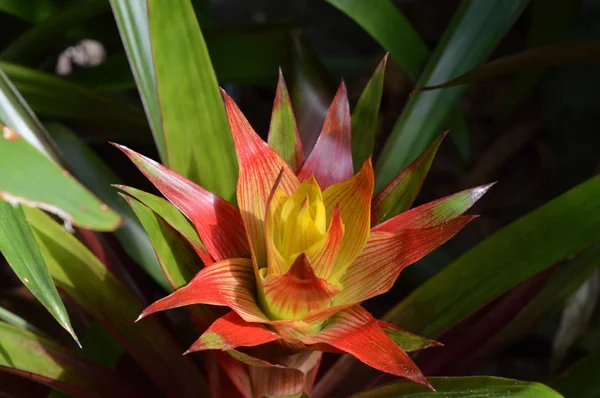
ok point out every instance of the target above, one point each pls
(30, 177)
(41, 360)
(467, 387)
(56, 97)
(88, 282)
(473, 33)
(21, 251)
(34, 11)
(199, 144)
(364, 117)
(95, 173)
(565, 225)
(407, 341)
(132, 20)
(537, 58)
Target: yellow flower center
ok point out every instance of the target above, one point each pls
(299, 221)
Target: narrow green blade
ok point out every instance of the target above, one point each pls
(21, 251)
(473, 386)
(89, 283)
(33, 10)
(473, 33)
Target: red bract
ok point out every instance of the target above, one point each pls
(296, 259)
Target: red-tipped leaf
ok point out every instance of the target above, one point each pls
(331, 159)
(324, 259)
(386, 255)
(434, 213)
(228, 283)
(231, 331)
(260, 166)
(217, 221)
(356, 332)
(283, 131)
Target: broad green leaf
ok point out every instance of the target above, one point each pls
(561, 285)
(473, 386)
(19, 248)
(31, 178)
(364, 117)
(32, 10)
(95, 173)
(43, 361)
(89, 283)
(132, 20)
(168, 212)
(197, 135)
(472, 35)
(565, 225)
(459, 133)
(43, 37)
(580, 379)
(58, 98)
(538, 58)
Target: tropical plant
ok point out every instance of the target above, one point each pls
(272, 246)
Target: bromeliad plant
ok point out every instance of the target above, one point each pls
(307, 245)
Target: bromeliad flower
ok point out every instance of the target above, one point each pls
(308, 243)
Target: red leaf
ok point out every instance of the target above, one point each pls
(217, 221)
(331, 159)
(231, 331)
(298, 292)
(356, 332)
(229, 283)
(434, 213)
(259, 168)
(386, 255)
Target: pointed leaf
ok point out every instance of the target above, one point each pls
(41, 360)
(31, 178)
(467, 387)
(407, 342)
(19, 248)
(399, 195)
(228, 283)
(472, 35)
(87, 281)
(324, 260)
(260, 166)
(364, 117)
(333, 143)
(231, 331)
(298, 292)
(376, 269)
(436, 212)
(353, 197)
(197, 137)
(283, 132)
(218, 223)
(132, 20)
(171, 214)
(356, 332)
(537, 58)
